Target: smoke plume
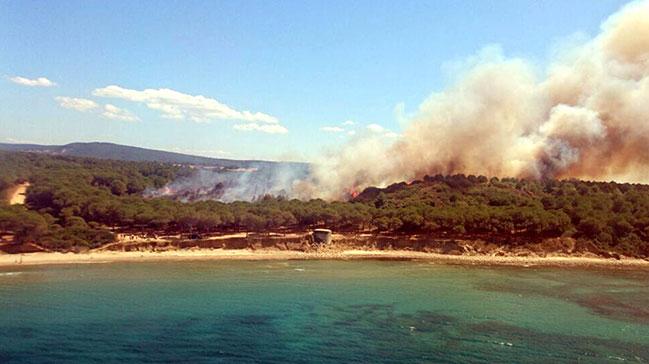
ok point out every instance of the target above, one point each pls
(239, 184)
(587, 117)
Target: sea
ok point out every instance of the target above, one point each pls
(322, 311)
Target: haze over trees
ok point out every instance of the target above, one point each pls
(77, 202)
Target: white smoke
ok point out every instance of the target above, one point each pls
(586, 117)
(228, 185)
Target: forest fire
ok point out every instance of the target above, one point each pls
(188, 193)
(584, 117)
(353, 192)
(230, 185)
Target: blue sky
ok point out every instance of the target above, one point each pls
(296, 66)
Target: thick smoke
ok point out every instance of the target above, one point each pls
(587, 117)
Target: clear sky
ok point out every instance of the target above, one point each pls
(278, 79)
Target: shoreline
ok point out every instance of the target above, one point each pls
(35, 259)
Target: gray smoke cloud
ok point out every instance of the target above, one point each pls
(227, 185)
(586, 116)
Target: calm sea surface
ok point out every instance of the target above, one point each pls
(321, 312)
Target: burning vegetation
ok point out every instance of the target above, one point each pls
(75, 203)
(233, 184)
(584, 117)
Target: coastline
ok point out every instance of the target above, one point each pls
(32, 259)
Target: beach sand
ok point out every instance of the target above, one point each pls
(8, 260)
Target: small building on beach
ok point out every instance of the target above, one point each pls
(321, 236)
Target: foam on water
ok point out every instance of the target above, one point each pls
(8, 274)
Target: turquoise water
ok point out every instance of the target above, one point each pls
(321, 312)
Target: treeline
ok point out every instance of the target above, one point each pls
(61, 185)
(613, 216)
(74, 201)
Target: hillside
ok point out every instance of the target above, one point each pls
(136, 154)
(72, 202)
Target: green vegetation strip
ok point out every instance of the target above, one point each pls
(76, 203)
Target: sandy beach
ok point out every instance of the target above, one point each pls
(8, 260)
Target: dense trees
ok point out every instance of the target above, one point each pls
(73, 202)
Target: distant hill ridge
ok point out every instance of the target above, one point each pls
(128, 153)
